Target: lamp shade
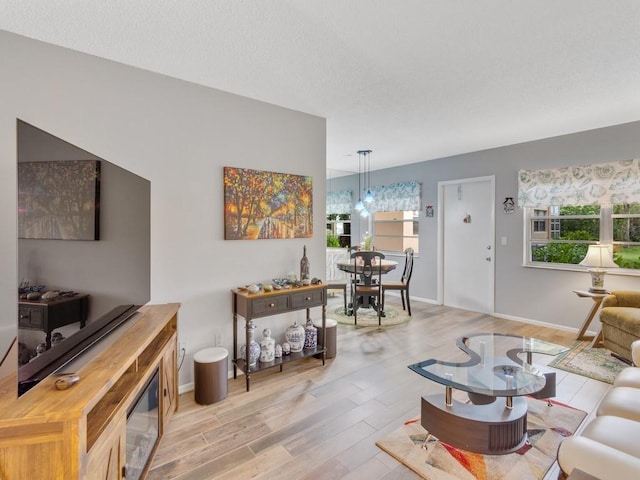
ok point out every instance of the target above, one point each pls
(598, 256)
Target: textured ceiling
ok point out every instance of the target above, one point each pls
(412, 80)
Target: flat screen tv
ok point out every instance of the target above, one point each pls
(109, 266)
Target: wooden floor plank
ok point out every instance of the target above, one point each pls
(321, 423)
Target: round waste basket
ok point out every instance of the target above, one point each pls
(210, 375)
(332, 332)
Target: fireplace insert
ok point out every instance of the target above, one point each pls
(143, 425)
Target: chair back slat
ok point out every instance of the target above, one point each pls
(408, 265)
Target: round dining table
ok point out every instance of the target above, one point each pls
(350, 267)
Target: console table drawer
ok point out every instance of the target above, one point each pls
(269, 305)
(307, 299)
(31, 317)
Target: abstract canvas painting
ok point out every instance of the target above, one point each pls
(263, 205)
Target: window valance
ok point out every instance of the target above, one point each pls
(399, 196)
(597, 184)
(339, 202)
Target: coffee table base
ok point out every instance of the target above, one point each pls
(490, 429)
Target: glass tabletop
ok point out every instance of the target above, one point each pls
(494, 367)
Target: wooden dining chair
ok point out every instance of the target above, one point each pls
(403, 284)
(366, 281)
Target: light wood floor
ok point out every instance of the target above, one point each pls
(321, 423)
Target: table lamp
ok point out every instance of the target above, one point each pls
(599, 258)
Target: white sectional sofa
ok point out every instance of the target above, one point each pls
(609, 446)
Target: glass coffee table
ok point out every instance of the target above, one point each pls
(494, 369)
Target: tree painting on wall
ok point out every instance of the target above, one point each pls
(261, 205)
(59, 200)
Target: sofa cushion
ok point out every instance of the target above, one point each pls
(626, 319)
(621, 402)
(615, 432)
(628, 377)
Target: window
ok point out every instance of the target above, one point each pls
(561, 235)
(396, 231)
(339, 230)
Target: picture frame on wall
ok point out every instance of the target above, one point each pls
(59, 200)
(262, 205)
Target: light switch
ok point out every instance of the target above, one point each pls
(503, 241)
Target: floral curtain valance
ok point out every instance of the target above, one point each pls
(598, 184)
(399, 196)
(339, 202)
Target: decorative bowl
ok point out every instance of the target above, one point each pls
(31, 288)
(281, 282)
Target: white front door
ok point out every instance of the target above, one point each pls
(466, 247)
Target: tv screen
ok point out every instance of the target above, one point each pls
(84, 255)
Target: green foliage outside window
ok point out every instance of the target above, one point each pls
(333, 240)
(561, 249)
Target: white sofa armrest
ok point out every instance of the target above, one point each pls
(635, 353)
(596, 459)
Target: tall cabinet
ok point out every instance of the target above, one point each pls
(82, 432)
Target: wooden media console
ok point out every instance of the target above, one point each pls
(81, 432)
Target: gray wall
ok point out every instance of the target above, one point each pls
(530, 294)
(179, 136)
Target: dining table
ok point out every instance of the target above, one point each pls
(349, 266)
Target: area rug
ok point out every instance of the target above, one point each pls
(596, 363)
(546, 427)
(368, 317)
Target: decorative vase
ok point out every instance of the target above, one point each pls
(267, 346)
(254, 347)
(310, 335)
(295, 337)
(278, 351)
(304, 265)
(286, 348)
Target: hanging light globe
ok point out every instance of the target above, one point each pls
(368, 198)
(364, 213)
(359, 206)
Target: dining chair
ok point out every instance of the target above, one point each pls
(402, 285)
(366, 282)
(342, 284)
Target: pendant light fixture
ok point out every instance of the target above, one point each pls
(364, 160)
(368, 197)
(359, 205)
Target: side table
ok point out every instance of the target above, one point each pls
(597, 300)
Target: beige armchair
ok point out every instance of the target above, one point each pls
(620, 318)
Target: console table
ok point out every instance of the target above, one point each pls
(263, 304)
(48, 315)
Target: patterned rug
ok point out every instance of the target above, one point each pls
(596, 363)
(546, 427)
(368, 317)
